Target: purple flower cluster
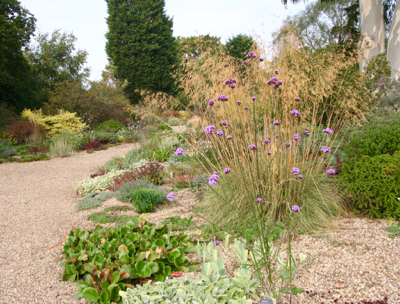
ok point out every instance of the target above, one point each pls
(222, 98)
(239, 102)
(269, 152)
(246, 107)
(213, 179)
(267, 141)
(220, 132)
(287, 144)
(253, 98)
(295, 170)
(296, 137)
(300, 176)
(227, 170)
(244, 63)
(306, 132)
(295, 113)
(171, 196)
(210, 129)
(295, 208)
(230, 82)
(261, 59)
(275, 81)
(276, 122)
(229, 137)
(179, 151)
(259, 199)
(327, 130)
(251, 55)
(297, 99)
(252, 147)
(276, 72)
(331, 172)
(224, 123)
(210, 103)
(326, 149)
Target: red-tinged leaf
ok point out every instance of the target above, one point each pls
(95, 271)
(93, 281)
(124, 275)
(102, 241)
(176, 274)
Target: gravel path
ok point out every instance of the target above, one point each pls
(355, 263)
(37, 210)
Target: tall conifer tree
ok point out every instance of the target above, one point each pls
(141, 45)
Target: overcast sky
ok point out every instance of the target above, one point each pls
(86, 19)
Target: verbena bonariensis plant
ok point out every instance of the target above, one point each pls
(274, 159)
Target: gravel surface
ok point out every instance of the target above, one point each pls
(356, 263)
(37, 210)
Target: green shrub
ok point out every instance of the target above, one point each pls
(145, 199)
(72, 139)
(98, 183)
(93, 200)
(117, 208)
(113, 164)
(108, 260)
(124, 193)
(31, 158)
(105, 136)
(373, 184)
(381, 135)
(6, 150)
(111, 125)
(134, 156)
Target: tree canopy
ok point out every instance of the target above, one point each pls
(17, 25)
(141, 45)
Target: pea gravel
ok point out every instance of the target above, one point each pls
(354, 263)
(37, 210)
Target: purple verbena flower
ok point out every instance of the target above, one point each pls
(327, 130)
(210, 129)
(273, 80)
(267, 141)
(331, 172)
(300, 176)
(224, 123)
(252, 147)
(220, 132)
(276, 122)
(229, 137)
(295, 208)
(295, 113)
(276, 72)
(382, 84)
(251, 55)
(287, 144)
(326, 149)
(296, 137)
(245, 62)
(217, 243)
(227, 170)
(260, 59)
(179, 151)
(210, 103)
(213, 179)
(295, 170)
(239, 102)
(297, 99)
(171, 196)
(259, 199)
(222, 98)
(306, 132)
(269, 152)
(246, 107)
(253, 98)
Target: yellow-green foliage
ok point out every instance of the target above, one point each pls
(183, 115)
(54, 124)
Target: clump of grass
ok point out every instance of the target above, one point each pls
(145, 200)
(93, 200)
(124, 193)
(117, 208)
(104, 218)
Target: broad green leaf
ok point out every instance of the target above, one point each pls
(90, 294)
(392, 228)
(115, 277)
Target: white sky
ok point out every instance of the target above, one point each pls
(86, 19)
